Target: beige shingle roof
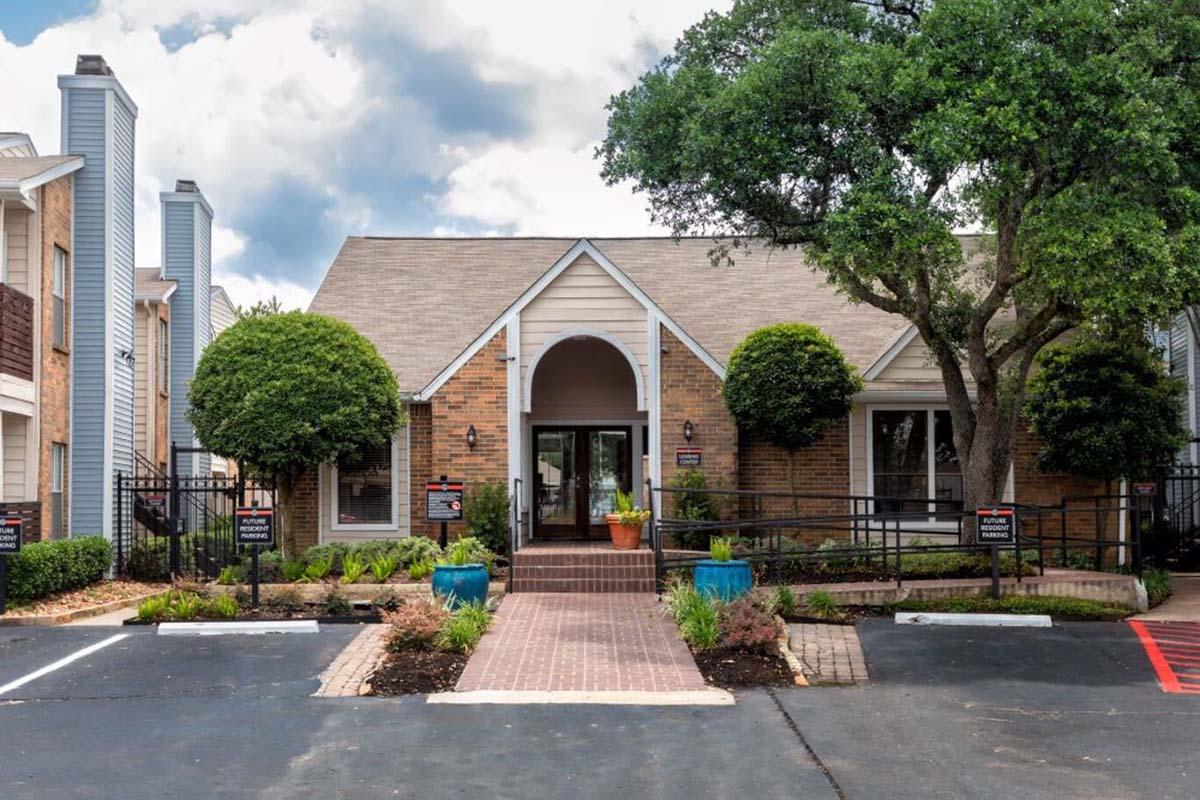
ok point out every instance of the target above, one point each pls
(423, 301)
(25, 167)
(148, 284)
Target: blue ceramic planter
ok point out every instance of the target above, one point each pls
(724, 580)
(465, 584)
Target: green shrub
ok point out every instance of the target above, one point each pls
(353, 568)
(695, 504)
(1158, 585)
(316, 570)
(386, 600)
(42, 568)
(185, 606)
(782, 602)
(153, 609)
(464, 628)
(1062, 607)
(721, 549)
(822, 605)
(292, 570)
(420, 570)
(285, 599)
(468, 550)
(231, 575)
(332, 554)
(415, 548)
(486, 514)
(220, 607)
(370, 550)
(695, 615)
(270, 566)
(336, 603)
(382, 567)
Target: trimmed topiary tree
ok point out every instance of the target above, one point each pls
(787, 383)
(284, 393)
(1105, 409)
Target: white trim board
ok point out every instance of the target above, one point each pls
(581, 247)
(889, 355)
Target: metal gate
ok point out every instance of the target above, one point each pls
(179, 526)
(1177, 537)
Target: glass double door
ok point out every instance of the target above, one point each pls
(577, 471)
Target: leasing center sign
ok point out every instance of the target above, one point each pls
(995, 525)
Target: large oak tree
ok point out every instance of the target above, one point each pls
(868, 132)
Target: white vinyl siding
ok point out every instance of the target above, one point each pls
(584, 297)
(16, 488)
(16, 235)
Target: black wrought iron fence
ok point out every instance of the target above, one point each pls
(821, 537)
(172, 526)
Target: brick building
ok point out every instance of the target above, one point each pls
(570, 368)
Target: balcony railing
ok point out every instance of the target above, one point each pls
(16, 333)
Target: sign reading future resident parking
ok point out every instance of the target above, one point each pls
(687, 456)
(254, 525)
(10, 535)
(444, 501)
(995, 525)
(1145, 489)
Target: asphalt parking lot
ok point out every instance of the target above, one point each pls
(1074, 711)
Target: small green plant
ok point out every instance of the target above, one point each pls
(486, 513)
(415, 548)
(459, 554)
(292, 570)
(695, 615)
(822, 605)
(230, 575)
(386, 600)
(420, 570)
(185, 606)
(220, 607)
(721, 549)
(285, 599)
(464, 628)
(353, 568)
(1158, 585)
(335, 603)
(628, 513)
(782, 602)
(316, 570)
(382, 567)
(153, 609)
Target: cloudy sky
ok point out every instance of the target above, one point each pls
(305, 121)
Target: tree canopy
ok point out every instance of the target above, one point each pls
(786, 383)
(1105, 409)
(283, 393)
(869, 132)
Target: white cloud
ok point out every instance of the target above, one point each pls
(246, 291)
(543, 191)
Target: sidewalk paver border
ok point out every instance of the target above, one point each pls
(349, 675)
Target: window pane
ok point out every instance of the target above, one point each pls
(58, 514)
(900, 459)
(60, 322)
(947, 473)
(60, 273)
(365, 488)
(556, 477)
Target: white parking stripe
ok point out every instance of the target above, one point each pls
(62, 662)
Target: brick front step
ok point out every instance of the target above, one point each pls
(582, 569)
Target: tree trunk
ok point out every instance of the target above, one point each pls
(287, 495)
(985, 457)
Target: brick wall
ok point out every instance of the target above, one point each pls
(55, 366)
(823, 469)
(420, 460)
(303, 511)
(690, 390)
(475, 395)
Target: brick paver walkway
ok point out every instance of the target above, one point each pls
(581, 643)
(829, 654)
(349, 671)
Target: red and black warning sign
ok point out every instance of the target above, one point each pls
(995, 525)
(10, 535)
(254, 525)
(444, 501)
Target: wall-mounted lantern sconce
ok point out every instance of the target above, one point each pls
(471, 436)
(688, 430)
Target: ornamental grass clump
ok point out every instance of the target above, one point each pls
(420, 570)
(353, 568)
(316, 570)
(721, 549)
(382, 567)
(695, 615)
(464, 628)
(822, 605)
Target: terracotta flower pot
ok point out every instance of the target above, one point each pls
(624, 537)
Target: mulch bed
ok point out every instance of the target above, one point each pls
(97, 594)
(418, 672)
(743, 669)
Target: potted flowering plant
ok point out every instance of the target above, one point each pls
(460, 576)
(625, 526)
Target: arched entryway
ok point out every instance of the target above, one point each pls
(587, 435)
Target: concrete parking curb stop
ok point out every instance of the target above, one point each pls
(983, 620)
(224, 628)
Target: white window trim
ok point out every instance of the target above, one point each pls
(335, 525)
(929, 408)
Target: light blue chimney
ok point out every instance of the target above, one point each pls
(187, 259)
(98, 122)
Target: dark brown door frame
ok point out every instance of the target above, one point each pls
(583, 528)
